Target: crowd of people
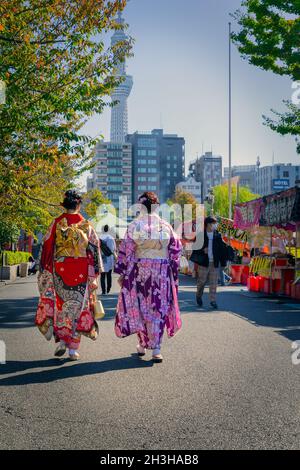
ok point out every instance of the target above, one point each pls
(74, 262)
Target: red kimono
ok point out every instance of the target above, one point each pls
(69, 267)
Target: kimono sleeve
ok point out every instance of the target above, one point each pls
(45, 277)
(174, 250)
(125, 255)
(46, 254)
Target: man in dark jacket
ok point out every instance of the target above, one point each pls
(210, 257)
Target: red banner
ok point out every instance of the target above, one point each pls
(247, 215)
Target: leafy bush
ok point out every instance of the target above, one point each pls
(15, 257)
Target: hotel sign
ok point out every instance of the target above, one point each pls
(281, 184)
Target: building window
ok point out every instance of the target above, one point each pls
(141, 153)
(117, 188)
(115, 179)
(114, 171)
(146, 142)
(285, 174)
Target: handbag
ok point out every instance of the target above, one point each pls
(98, 309)
(184, 264)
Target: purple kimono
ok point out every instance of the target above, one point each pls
(148, 261)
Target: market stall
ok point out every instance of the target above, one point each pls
(273, 224)
(238, 239)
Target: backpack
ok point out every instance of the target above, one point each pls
(105, 248)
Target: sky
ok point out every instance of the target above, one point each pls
(180, 73)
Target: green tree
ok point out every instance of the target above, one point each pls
(221, 201)
(269, 38)
(92, 200)
(58, 73)
(9, 233)
(287, 123)
(183, 198)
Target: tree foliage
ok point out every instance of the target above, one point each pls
(92, 201)
(58, 73)
(269, 38)
(287, 123)
(183, 198)
(9, 233)
(30, 195)
(221, 200)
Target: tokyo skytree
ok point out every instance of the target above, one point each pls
(119, 112)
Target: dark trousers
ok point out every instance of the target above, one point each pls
(106, 282)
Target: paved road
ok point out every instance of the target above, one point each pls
(227, 381)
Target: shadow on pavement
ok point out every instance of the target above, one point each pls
(19, 366)
(266, 312)
(270, 312)
(18, 313)
(79, 369)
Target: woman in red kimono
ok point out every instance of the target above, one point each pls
(69, 267)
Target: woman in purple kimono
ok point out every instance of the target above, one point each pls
(148, 263)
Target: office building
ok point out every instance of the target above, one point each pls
(277, 177)
(208, 171)
(190, 185)
(246, 174)
(158, 162)
(112, 173)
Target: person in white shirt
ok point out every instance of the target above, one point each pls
(108, 259)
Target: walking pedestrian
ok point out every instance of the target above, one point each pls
(212, 256)
(108, 250)
(69, 267)
(148, 263)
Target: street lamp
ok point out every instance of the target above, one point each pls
(229, 129)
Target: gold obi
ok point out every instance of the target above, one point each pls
(71, 240)
(153, 249)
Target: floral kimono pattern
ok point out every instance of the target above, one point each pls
(148, 301)
(69, 267)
